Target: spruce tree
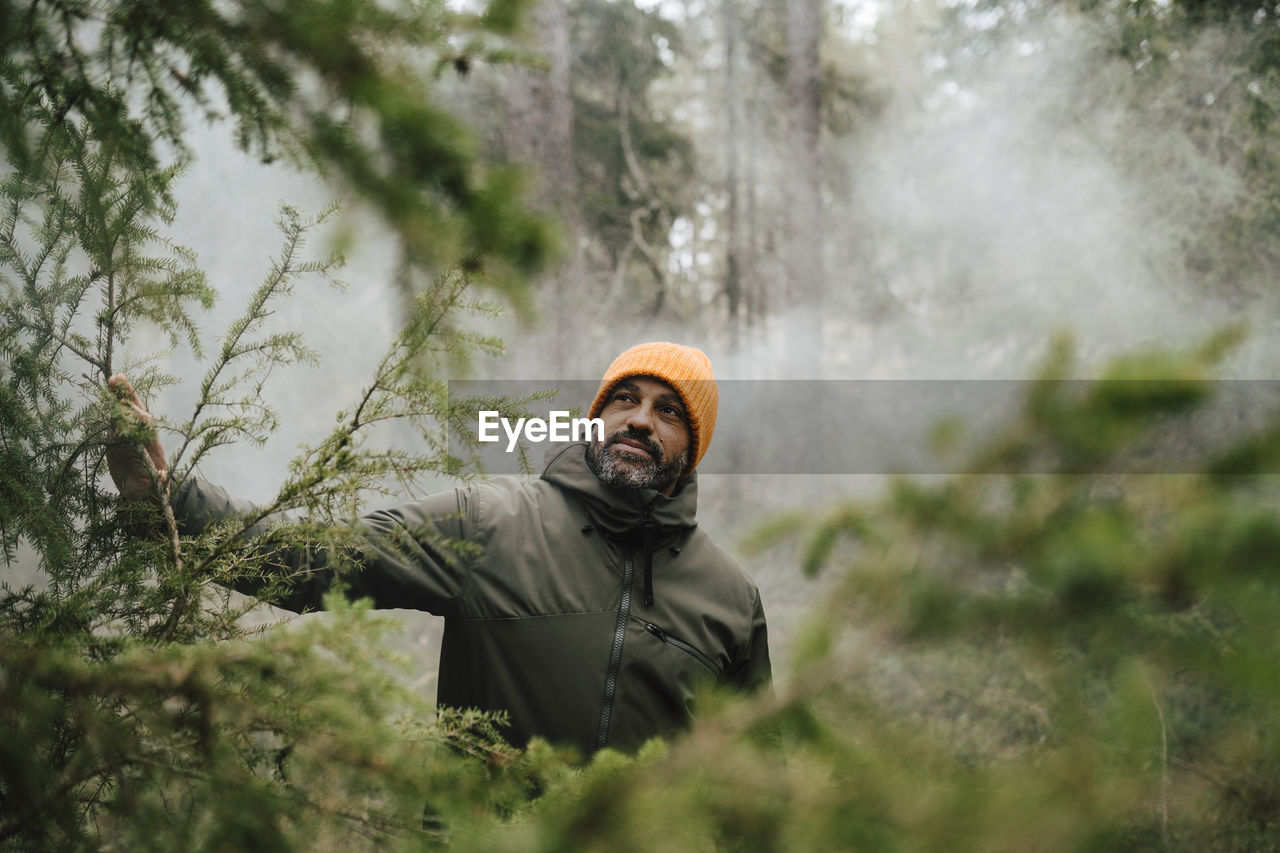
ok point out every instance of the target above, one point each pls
(136, 711)
(339, 87)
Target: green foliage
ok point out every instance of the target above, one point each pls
(1043, 652)
(341, 86)
(138, 713)
(282, 741)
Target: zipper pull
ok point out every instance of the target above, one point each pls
(656, 631)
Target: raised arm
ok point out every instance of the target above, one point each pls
(405, 557)
(408, 556)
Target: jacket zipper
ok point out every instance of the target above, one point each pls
(682, 646)
(615, 657)
(649, 525)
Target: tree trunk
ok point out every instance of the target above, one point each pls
(803, 257)
(757, 304)
(736, 248)
(539, 133)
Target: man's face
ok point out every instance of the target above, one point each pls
(646, 436)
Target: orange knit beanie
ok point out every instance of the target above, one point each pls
(685, 369)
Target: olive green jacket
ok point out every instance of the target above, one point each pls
(550, 621)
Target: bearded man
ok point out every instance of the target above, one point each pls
(594, 607)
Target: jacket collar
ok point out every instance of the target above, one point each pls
(618, 511)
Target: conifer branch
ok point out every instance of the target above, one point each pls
(275, 349)
(66, 342)
(185, 598)
(318, 470)
(139, 719)
(109, 329)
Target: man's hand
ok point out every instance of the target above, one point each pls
(129, 469)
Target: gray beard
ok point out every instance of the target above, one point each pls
(654, 473)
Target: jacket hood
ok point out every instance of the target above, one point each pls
(620, 512)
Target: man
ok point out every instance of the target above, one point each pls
(596, 606)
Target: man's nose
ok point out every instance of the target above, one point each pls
(641, 417)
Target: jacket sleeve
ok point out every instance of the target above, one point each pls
(755, 672)
(404, 556)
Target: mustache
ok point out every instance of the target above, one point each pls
(631, 434)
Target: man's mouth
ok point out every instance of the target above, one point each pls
(633, 447)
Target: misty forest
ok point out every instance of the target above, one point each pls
(1022, 256)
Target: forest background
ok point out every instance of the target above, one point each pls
(830, 191)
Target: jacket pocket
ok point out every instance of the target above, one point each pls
(675, 642)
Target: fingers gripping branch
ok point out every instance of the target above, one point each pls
(135, 456)
(138, 466)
